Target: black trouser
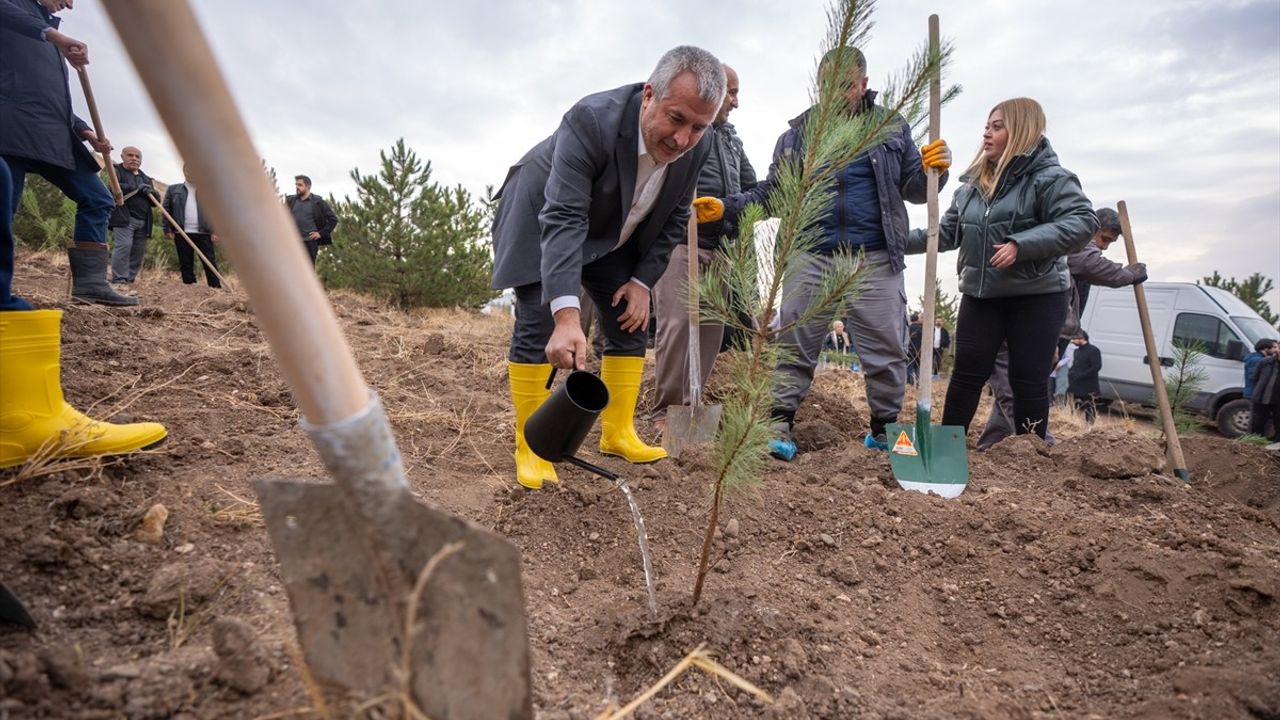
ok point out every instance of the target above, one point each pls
(1030, 325)
(187, 258)
(1260, 414)
(1088, 404)
(313, 250)
(601, 279)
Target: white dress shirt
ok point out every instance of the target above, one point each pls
(650, 176)
(191, 213)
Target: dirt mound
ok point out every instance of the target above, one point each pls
(1067, 581)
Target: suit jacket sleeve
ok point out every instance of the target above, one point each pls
(329, 220)
(167, 204)
(578, 155)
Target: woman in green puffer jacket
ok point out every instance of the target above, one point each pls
(1017, 216)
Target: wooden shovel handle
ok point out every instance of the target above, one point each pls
(89, 100)
(1173, 448)
(177, 66)
(925, 394)
(695, 339)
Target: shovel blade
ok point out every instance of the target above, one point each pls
(13, 611)
(689, 425)
(349, 594)
(929, 458)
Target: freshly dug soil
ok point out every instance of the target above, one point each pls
(1067, 581)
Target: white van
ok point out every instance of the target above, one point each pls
(1221, 322)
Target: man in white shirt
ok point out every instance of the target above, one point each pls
(600, 204)
(181, 201)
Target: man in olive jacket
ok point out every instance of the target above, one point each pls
(601, 203)
(726, 171)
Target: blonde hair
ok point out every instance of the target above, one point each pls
(1024, 120)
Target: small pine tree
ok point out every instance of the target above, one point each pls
(1183, 382)
(802, 192)
(408, 240)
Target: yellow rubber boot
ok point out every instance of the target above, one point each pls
(528, 392)
(35, 421)
(617, 423)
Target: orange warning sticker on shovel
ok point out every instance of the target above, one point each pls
(903, 445)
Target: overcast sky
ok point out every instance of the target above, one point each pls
(1170, 105)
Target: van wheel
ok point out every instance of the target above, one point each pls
(1233, 418)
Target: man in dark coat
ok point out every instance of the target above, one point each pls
(1266, 393)
(1082, 378)
(131, 223)
(39, 134)
(726, 171)
(601, 203)
(915, 340)
(182, 202)
(316, 221)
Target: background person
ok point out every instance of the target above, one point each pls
(39, 134)
(1017, 215)
(131, 223)
(868, 216)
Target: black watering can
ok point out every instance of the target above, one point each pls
(557, 428)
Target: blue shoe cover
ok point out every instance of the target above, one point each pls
(873, 444)
(782, 449)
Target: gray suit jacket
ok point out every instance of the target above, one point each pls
(563, 205)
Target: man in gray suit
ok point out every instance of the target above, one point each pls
(600, 204)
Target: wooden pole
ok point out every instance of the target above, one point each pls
(177, 67)
(925, 392)
(1173, 445)
(114, 181)
(178, 229)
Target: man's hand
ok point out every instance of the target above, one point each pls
(1139, 271)
(102, 145)
(214, 237)
(708, 209)
(936, 155)
(567, 348)
(314, 235)
(76, 52)
(168, 236)
(636, 316)
(1006, 255)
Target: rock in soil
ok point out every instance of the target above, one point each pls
(242, 665)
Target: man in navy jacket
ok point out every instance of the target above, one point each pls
(39, 134)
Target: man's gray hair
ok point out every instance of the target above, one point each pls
(1108, 219)
(706, 69)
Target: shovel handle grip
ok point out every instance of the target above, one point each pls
(89, 100)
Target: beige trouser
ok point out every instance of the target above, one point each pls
(671, 344)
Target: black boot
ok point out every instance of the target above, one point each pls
(89, 276)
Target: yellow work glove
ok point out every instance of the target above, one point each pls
(708, 209)
(936, 155)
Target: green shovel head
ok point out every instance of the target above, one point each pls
(928, 458)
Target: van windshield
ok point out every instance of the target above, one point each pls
(1254, 329)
